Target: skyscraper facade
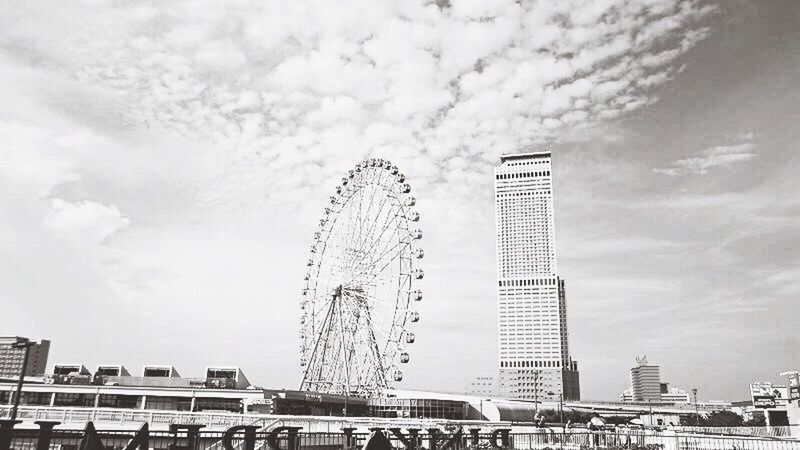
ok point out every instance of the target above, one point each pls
(534, 359)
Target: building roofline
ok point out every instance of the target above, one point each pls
(525, 155)
(5, 386)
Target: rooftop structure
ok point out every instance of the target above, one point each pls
(111, 370)
(160, 371)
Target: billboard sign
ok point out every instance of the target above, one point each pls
(794, 393)
(794, 386)
(767, 395)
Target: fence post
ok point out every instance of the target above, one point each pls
(45, 434)
(348, 437)
(6, 430)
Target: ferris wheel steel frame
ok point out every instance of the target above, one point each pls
(360, 287)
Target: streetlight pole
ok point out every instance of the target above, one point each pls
(535, 395)
(560, 405)
(561, 419)
(22, 343)
(484, 400)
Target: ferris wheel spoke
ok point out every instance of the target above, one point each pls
(380, 317)
(364, 264)
(378, 240)
(375, 242)
(366, 215)
(375, 273)
(392, 252)
(361, 366)
(358, 248)
(374, 347)
(366, 365)
(357, 217)
(316, 364)
(369, 225)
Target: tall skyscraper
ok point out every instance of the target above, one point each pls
(646, 381)
(11, 358)
(534, 352)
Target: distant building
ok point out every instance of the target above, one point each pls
(11, 358)
(674, 395)
(482, 387)
(71, 385)
(534, 359)
(645, 381)
(669, 394)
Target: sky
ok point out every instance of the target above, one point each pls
(163, 166)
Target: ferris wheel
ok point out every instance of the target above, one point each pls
(360, 287)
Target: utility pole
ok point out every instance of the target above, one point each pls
(22, 343)
(535, 395)
(560, 405)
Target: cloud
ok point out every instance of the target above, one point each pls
(710, 158)
(479, 78)
(168, 161)
(90, 221)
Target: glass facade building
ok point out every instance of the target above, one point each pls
(422, 408)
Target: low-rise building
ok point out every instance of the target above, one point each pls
(670, 395)
(112, 386)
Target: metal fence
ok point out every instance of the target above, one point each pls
(776, 431)
(126, 418)
(28, 439)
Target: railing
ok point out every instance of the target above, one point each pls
(778, 431)
(635, 440)
(124, 417)
(645, 406)
(134, 417)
